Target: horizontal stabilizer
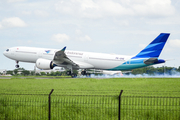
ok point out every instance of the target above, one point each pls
(153, 61)
(150, 61)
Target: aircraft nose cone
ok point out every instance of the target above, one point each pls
(5, 53)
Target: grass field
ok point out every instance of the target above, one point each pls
(147, 84)
(68, 102)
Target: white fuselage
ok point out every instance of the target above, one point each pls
(89, 59)
(50, 58)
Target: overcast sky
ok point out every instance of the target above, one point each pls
(107, 26)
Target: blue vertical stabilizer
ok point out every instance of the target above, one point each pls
(154, 48)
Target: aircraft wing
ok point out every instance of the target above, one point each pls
(61, 58)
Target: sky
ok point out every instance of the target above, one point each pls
(122, 27)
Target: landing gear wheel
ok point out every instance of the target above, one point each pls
(73, 75)
(83, 73)
(68, 72)
(88, 75)
(17, 66)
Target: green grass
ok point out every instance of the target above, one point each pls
(147, 84)
(100, 100)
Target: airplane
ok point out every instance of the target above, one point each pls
(47, 59)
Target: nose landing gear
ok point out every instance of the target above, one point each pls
(17, 66)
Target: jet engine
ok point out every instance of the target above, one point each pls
(45, 64)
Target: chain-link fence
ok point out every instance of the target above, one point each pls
(90, 105)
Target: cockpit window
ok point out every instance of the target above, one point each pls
(7, 50)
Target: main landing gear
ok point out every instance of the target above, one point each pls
(73, 75)
(84, 72)
(17, 65)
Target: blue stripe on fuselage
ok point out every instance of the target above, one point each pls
(135, 63)
(131, 64)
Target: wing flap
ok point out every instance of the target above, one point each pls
(84, 65)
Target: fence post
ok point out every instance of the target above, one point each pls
(50, 104)
(119, 111)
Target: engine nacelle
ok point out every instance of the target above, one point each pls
(45, 64)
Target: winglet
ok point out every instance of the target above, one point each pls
(64, 49)
(154, 48)
(60, 54)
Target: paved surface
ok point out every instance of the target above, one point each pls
(34, 77)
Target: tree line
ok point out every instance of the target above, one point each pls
(23, 72)
(151, 70)
(146, 70)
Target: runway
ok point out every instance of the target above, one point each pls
(96, 77)
(35, 77)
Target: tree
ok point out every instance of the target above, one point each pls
(15, 71)
(25, 72)
(52, 73)
(43, 73)
(178, 69)
(64, 73)
(32, 73)
(37, 74)
(9, 72)
(57, 73)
